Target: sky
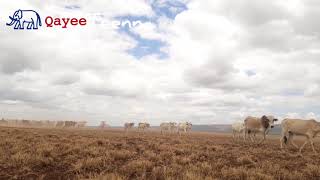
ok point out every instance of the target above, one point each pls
(203, 61)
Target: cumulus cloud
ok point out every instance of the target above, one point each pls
(226, 60)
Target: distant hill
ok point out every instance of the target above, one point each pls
(219, 128)
(224, 128)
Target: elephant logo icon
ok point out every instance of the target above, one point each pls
(25, 18)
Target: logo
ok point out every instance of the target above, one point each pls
(31, 20)
(22, 19)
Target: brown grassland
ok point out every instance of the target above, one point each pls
(28, 153)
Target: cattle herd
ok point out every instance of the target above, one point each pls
(170, 127)
(45, 124)
(246, 129)
(290, 128)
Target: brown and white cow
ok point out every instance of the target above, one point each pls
(298, 127)
(253, 125)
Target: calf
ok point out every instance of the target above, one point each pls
(307, 128)
(253, 125)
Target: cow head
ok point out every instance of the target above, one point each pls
(173, 124)
(268, 121)
(189, 124)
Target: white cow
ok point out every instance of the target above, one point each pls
(164, 127)
(184, 127)
(307, 128)
(169, 127)
(237, 129)
(173, 126)
(143, 126)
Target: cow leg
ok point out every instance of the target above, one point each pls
(245, 134)
(300, 150)
(282, 139)
(290, 139)
(281, 142)
(311, 142)
(264, 138)
(251, 137)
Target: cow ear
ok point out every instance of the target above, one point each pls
(264, 117)
(265, 121)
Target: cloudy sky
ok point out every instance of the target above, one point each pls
(204, 61)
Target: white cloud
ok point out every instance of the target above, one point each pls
(86, 73)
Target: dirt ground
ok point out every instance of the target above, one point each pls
(27, 153)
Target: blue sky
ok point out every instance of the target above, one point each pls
(145, 47)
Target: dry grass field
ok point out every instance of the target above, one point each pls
(28, 153)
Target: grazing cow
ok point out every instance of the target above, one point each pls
(143, 126)
(307, 128)
(255, 125)
(184, 127)
(165, 127)
(237, 129)
(128, 126)
(69, 124)
(173, 126)
(60, 124)
(3, 122)
(81, 124)
(169, 127)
